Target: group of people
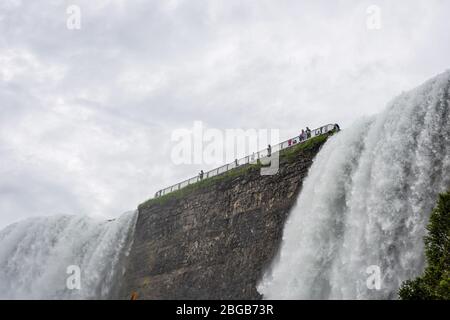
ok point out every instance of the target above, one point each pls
(305, 134)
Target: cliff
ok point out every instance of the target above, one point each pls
(214, 239)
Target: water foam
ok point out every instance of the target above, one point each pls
(35, 255)
(366, 202)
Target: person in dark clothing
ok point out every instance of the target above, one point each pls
(200, 175)
(308, 133)
(269, 150)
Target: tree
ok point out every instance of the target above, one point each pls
(434, 283)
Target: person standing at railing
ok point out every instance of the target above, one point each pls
(269, 150)
(308, 133)
(200, 175)
(236, 162)
(302, 136)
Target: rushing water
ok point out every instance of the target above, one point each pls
(366, 202)
(37, 257)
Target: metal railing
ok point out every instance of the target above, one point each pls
(251, 159)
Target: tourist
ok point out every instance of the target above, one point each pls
(336, 127)
(302, 135)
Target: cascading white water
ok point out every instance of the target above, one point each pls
(366, 202)
(35, 255)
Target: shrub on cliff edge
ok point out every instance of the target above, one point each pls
(434, 283)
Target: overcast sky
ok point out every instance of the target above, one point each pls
(86, 116)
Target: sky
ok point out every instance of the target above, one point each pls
(87, 114)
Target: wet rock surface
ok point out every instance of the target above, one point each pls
(214, 242)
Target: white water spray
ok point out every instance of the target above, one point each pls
(366, 202)
(35, 255)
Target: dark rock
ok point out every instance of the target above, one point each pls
(214, 242)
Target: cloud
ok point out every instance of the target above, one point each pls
(86, 115)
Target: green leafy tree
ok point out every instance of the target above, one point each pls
(434, 283)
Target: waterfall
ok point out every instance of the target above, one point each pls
(366, 202)
(39, 255)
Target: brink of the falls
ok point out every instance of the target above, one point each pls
(365, 203)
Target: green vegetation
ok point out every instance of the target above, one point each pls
(289, 154)
(205, 183)
(434, 283)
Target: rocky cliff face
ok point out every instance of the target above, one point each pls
(215, 241)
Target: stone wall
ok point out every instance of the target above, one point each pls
(215, 241)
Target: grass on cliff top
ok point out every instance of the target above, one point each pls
(288, 154)
(205, 183)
